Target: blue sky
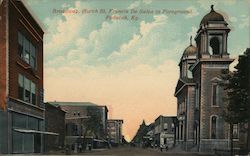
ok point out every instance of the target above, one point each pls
(129, 65)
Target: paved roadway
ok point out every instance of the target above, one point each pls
(124, 151)
(132, 151)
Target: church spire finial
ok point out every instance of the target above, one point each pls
(212, 7)
(190, 40)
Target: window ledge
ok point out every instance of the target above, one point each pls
(28, 67)
(26, 103)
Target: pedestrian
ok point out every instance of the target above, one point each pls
(166, 148)
(80, 147)
(161, 147)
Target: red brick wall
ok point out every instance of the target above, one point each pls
(2, 56)
(21, 20)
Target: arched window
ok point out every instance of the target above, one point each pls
(215, 45)
(213, 127)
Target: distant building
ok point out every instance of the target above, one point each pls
(55, 124)
(142, 131)
(164, 131)
(21, 80)
(77, 114)
(115, 131)
(200, 103)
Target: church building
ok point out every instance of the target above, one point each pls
(200, 103)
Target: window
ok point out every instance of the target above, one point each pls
(23, 142)
(19, 121)
(26, 90)
(20, 44)
(33, 123)
(236, 131)
(33, 93)
(20, 87)
(213, 127)
(189, 73)
(32, 56)
(26, 50)
(197, 96)
(165, 126)
(215, 94)
(215, 45)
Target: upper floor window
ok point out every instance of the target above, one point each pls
(165, 126)
(215, 44)
(27, 51)
(26, 90)
(215, 94)
(189, 72)
(236, 131)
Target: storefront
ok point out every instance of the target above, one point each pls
(26, 134)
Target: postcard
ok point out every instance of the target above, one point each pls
(131, 77)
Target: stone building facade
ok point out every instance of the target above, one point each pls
(200, 103)
(21, 80)
(115, 131)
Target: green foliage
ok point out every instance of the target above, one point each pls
(237, 85)
(94, 122)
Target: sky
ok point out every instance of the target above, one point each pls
(130, 65)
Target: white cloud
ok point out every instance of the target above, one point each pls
(66, 31)
(134, 5)
(244, 22)
(192, 13)
(145, 28)
(147, 1)
(233, 19)
(192, 33)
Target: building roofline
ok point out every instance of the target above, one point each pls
(32, 14)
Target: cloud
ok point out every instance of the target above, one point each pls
(147, 1)
(192, 33)
(145, 28)
(193, 12)
(244, 22)
(134, 5)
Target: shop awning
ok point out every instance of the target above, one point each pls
(34, 131)
(98, 140)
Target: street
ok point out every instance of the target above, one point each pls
(134, 151)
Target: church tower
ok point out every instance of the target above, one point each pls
(185, 94)
(212, 36)
(212, 58)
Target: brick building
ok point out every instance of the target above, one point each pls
(164, 131)
(199, 94)
(21, 80)
(77, 113)
(55, 124)
(115, 131)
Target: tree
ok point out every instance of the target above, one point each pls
(93, 124)
(237, 85)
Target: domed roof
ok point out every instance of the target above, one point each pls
(190, 50)
(212, 16)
